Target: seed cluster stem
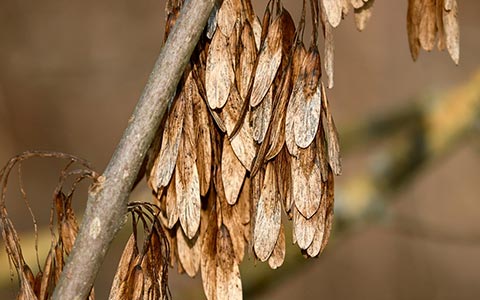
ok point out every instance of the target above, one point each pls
(107, 200)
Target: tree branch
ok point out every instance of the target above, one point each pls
(107, 199)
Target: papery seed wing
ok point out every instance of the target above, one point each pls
(243, 144)
(189, 252)
(278, 254)
(329, 210)
(233, 173)
(452, 31)
(261, 115)
(208, 258)
(227, 16)
(203, 142)
(269, 60)
(229, 284)
(428, 25)
(314, 249)
(331, 135)
(267, 216)
(165, 162)
(307, 118)
(187, 187)
(219, 72)
(333, 10)
(303, 229)
(277, 135)
(248, 56)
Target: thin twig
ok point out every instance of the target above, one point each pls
(107, 200)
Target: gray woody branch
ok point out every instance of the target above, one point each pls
(107, 199)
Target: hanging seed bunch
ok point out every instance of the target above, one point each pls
(249, 137)
(41, 285)
(426, 19)
(249, 141)
(142, 273)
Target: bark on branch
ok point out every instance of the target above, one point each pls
(107, 200)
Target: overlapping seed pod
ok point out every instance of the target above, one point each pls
(431, 22)
(250, 140)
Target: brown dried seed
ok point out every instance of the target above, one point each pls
(333, 10)
(314, 249)
(441, 30)
(243, 144)
(171, 209)
(231, 219)
(428, 26)
(307, 117)
(165, 163)
(267, 216)
(203, 145)
(227, 16)
(277, 135)
(293, 104)
(128, 255)
(229, 284)
(261, 115)
(189, 252)
(187, 187)
(219, 73)
(137, 284)
(269, 60)
(332, 136)
(303, 229)
(233, 173)
(248, 57)
(329, 54)
(284, 178)
(452, 31)
(413, 17)
(278, 254)
(231, 112)
(208, 258)
(329, 210)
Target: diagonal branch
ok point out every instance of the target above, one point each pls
(107, 199)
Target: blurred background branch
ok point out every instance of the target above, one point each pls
(416, 137)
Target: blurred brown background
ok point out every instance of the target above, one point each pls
(72, 71)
